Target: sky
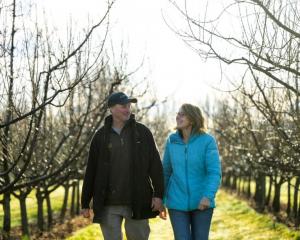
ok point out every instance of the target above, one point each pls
(174, 70)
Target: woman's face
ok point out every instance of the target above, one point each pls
(182, 120)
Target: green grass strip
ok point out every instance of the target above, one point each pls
(233, 219)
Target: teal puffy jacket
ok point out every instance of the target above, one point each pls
(192, 171)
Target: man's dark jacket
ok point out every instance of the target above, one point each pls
(147, 175)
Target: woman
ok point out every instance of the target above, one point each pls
(192, 174)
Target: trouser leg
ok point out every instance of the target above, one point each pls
(181, 224)
(111, 223)
(201, 221)
(136, 229)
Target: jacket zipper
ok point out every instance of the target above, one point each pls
(186, 176)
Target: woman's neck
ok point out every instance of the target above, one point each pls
(186, 133)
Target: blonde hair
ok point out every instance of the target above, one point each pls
(195, 116)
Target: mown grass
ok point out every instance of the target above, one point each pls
(233, 219)
(159, 230)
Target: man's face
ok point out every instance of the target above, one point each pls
(121, 112)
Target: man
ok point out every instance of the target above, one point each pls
(123, 175)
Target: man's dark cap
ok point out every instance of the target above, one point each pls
(119, 98)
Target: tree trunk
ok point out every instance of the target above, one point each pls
(72, 209)
(296, 191)
(65, 203)
(78, 198)
(245, 185)
(298, 216)
(239, 181)
(40, 214)
(269, 191)
(227, 180)
(234, 183)
(24, 217)
(249, 187)
(49, 212)
(276, 199)
(7, 215)
(288, 208)
(260, 192)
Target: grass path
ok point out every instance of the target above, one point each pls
(233, 220)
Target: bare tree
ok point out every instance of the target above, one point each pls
(29, 56)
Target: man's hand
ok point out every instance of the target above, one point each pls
(157, 204)
(204, 203)
(86, 213)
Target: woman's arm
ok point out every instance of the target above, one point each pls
(213, 170)
(167, 166)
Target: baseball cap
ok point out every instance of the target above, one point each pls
(119, 98)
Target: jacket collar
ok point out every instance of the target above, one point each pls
(108, 121)
(176, 138)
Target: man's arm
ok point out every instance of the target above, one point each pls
(156, 171)
(88, 182)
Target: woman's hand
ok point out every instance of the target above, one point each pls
(163, 213)
(204, 203)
